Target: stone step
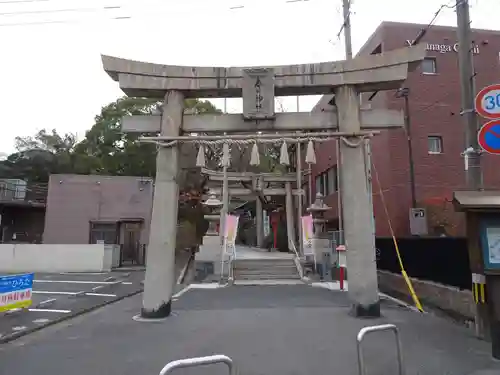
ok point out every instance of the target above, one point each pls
(264, 261)
(264, 267)
(239, 264)
(267, 269)
(266, 277)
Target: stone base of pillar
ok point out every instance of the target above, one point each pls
(366, 311)
(210, 253)
(160, 313)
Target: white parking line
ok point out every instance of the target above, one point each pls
(50, 292)
(127, 282)
(41, 321)
(46, 302)
(12, 311)
(19, 328)
(76, 282)
(72, 294)
(83, 273)
(100, 294)
(51, 310)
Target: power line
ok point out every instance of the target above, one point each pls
(116, 7)
(157, 5)
(424, 30)
(22, 1)
(67, 10)
(433, 104)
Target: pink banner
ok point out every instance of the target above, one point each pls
(231, 230)
(307, 231)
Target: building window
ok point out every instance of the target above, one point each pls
(332, 177)
(326, 182)
(429, 65)
(318, 183)
(435, 144)
(103, 232)
(322, 184)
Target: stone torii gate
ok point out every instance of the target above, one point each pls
(258, 87)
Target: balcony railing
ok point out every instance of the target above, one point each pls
(20, 191)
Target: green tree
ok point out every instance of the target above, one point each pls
(106, 150)
(38, 156)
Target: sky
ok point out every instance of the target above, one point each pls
(51, 74)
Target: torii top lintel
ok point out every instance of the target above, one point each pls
(385, 71)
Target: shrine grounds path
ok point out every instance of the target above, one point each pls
(268, 330)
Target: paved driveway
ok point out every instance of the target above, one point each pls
(60, 296)
(278, 330)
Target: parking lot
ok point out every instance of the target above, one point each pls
(63, 295)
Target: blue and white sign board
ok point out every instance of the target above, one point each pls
(15, 291)
(490, 243)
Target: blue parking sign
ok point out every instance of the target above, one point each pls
(15, 291)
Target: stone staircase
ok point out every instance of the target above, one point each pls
(265, 269)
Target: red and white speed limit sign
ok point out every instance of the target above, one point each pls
(487, 103)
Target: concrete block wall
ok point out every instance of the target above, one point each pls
(446, 298)
(57, 258)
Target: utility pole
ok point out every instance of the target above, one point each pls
(472, 153)
(346, 6)
(473, 171)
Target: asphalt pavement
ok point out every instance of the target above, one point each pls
(279, 330)
(59, 296)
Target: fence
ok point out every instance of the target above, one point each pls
(443, 260)
(20, 191)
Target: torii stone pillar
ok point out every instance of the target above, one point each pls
(358, 218)
(160, 259)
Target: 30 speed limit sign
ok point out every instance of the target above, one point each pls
(487, 102)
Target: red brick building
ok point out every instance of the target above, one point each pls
(437, 132)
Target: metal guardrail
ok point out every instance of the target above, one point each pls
(297, 259)
(198, 361)
(383, 327)
(230, 264)
(12, 190)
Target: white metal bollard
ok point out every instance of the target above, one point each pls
(383, 327)
(198, 361)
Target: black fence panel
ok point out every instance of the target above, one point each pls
(443, 260)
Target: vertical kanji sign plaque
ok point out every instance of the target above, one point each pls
(258, 94)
